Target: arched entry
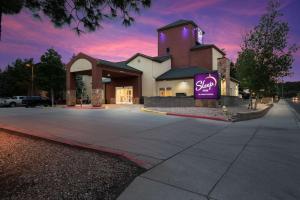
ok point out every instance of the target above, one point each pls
(119, 75)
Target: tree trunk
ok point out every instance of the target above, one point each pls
(52, 97)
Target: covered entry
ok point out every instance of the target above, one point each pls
(124, 95)
(112, 82)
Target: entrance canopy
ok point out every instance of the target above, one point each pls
(120, 73)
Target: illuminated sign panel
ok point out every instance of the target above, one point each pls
(206, 86)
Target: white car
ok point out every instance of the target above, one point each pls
(12, 102)
(295, 99)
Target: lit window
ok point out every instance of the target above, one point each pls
(162, 92)
(168, 91)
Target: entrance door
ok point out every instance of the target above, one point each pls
(124, 95)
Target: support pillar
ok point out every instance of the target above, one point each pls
(224, 69)
(137, 94)
(71, 88)
(97, 86)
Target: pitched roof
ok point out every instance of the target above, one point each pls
(180, 22)
(118, 65)
(181, 73)
(205, 46)
(158, 59)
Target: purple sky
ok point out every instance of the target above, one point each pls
(224, 22)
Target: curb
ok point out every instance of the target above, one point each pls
(153, 111)
(244, 116)
(185, 115)
(83, 108)
(92, 147)
(199, 117)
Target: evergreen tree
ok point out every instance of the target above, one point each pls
(51, 74)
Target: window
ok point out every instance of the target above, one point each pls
(168, 91)
(162, 92)
(168, 50)
(165, 92)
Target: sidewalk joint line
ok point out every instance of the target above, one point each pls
(234, 160)
(188, 147)
(174, 186)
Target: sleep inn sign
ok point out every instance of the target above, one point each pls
(206, 86)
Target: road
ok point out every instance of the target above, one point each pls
(295, 105)
(186, 158)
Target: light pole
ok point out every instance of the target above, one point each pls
(31, 65)
(282, 87)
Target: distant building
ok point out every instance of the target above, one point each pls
(181, 55)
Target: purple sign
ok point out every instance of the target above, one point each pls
(206, 86)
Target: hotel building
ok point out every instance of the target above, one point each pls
(181, 54)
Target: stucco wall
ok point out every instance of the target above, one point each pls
(233, 91)
(81, 65)
(215, 56)
(151, 70)
(178, 86)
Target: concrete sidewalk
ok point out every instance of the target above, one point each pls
(257, 159)
(187, 158)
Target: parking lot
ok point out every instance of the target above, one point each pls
(187, 158)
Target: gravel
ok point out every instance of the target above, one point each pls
(32, 168)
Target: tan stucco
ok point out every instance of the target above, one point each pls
(216, 55)
(233, 88)
(151, 70)
(178, 86)
(81, 65)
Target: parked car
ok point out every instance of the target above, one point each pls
(33, 101)
(295, 99)
(12, 101)
(3, 101)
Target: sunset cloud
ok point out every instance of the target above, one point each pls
(187, 6)
(223, 21)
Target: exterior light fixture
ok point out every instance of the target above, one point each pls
(108, 75)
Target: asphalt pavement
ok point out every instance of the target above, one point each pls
(186, 158)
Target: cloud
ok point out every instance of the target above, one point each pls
(250, 8)
(185, 6)
(25, 37)
(150, 21)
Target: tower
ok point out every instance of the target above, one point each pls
(177, 39)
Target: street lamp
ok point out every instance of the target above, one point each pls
(31, 65)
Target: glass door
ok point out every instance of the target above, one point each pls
(124, 95)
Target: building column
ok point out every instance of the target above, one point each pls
(138, 90)
(224, 69)
(97, 86)
(71, 88)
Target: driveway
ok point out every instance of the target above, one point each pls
(186, 158)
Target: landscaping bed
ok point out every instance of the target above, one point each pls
(33, 168)
(218, 113)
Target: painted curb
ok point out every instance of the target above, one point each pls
(199, 117)
(84, 108)
(153, 111)
(49, 137)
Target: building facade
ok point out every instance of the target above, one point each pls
(181, 55)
